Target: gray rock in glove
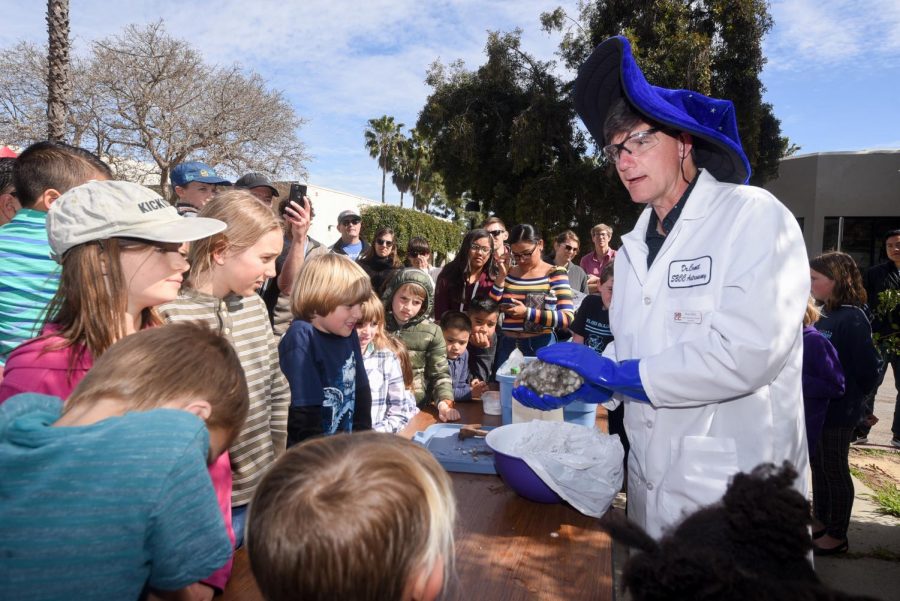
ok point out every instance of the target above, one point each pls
(548, 378)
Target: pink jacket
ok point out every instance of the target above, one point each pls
(34, 368)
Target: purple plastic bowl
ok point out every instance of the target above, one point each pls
(514, 471)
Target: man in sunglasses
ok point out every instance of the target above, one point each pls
(350, 244)
(710, 291)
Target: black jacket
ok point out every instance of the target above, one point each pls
(848, 330)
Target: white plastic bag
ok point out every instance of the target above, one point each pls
(513, 364)
(582, 465)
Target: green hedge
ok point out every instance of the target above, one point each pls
(443, 236)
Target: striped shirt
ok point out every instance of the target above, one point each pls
(245, 322)
(28, 278)
(543, 314)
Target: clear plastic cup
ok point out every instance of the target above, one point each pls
(491, 401)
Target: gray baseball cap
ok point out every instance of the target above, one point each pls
(99, 210)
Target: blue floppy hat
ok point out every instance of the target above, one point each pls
(611, 73)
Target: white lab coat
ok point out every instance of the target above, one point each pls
(717, 324)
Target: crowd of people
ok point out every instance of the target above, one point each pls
(180, 373)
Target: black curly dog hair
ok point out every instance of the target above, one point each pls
(754, 544)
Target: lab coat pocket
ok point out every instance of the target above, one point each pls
(688, 316)
(698, 474)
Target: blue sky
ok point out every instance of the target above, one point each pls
(832, 76)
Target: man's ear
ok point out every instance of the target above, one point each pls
(685, 144)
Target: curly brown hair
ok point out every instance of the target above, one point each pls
(848, 284)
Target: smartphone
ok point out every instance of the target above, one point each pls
(298, 191)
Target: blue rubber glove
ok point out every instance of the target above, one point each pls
(545, 402)
(597, 370)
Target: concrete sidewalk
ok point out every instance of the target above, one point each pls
(872, 567)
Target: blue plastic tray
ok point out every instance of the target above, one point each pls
(471, 455)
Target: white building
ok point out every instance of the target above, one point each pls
(328, 204)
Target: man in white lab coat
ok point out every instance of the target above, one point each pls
(709, 295)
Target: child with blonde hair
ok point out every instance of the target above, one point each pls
(226, 270)
(377, 518)
(393, 402)
(823, 376)
(122, 249)
(109, 496)
(320, 354)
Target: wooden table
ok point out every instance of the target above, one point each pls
(507, 548)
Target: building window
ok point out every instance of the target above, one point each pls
(860, 237)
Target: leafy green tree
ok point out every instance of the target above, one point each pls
(383, 138)
(711, 46)
(504, 135)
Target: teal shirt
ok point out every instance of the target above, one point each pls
(98, 512)
(28, 278)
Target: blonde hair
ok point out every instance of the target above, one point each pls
(326, 281)
(601, 227)
(135, 372)
(373, 312)
(813, 313)
(248, 220)
(350, 517)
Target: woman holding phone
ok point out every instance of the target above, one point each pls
(534, 296)
(468, 276)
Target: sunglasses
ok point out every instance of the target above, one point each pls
(418, 253)
(482, 250)
(353, 221)
(496, 233)
(571, 249)
(385, 243)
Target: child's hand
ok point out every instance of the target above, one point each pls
(446, 413)
(478, 387)
(480, 340)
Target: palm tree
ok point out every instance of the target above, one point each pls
(382, 141)
(419, 160)
(58, 85)
(402, 171)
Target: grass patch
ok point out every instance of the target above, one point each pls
(888, 499)
(858, 474)
(872, 452)
(884, 554)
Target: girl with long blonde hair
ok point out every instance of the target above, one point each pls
(226, 270)
(390, 378)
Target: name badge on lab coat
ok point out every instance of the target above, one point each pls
(690, 273)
